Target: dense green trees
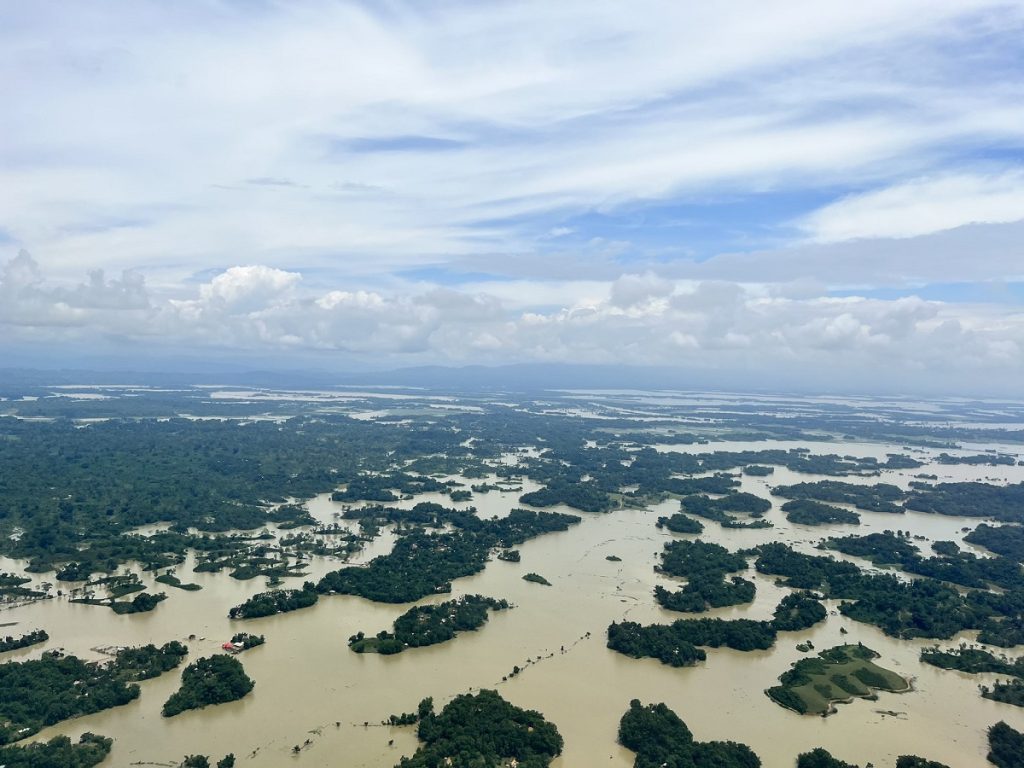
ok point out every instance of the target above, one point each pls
(719, 509)
(973, 660)
(483, 730)
(680, 523)
(210, 680)
(585, 496)
(921, 608)
(422, 564)
(11, 643)
(800, 610)
(662, 740)
(820, 758)
(1006, 540)
(882, 497)
(1003, 502)
(430, 624)
(275, 601)
(1005, 746)
(692, 558)
(705, 566)
(55, 687)
(1005, 691)
(58, 752)
(811, 512)
(886, 548)
(676, 644)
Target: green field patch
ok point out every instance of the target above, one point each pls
(813, 686)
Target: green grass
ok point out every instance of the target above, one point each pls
(812, 686)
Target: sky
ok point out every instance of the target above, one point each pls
(822, 195)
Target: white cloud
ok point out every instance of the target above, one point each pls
(133, 129)
(639, 320)
(242, 289)
(921, 207)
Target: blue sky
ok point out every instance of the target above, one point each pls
(809, 187)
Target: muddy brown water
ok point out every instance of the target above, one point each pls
(309, 686)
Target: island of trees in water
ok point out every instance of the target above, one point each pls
(483, 729)
(429, 625)
(704, 565)
(661, 739)
(215, 679)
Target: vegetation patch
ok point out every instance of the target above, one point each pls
(58, 752)
(212, 680)
(660, 738)
(483, 730)
(173, 581)
(1005, 746)
(429, 625)
(882, 497)
(839, 674)
(811, 512)
(536, 578)
(12, 643)
(55, 687)
(821, 758)
(275, 601)
(422, 564)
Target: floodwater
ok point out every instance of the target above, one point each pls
(309, 686)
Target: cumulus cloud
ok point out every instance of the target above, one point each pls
(641, 319)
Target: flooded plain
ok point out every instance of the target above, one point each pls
(311, 688)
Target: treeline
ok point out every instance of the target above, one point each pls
(973, 661)
(676, 644)
(1002, 502)
(1006, 692)
(951, 564)
(11, 643)
(821, 758)
(662, 740)
(58, 752)
(381, 487)
(881, 497)
(429, 625)
(212, 680)
(483, 730)
(41, 692)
